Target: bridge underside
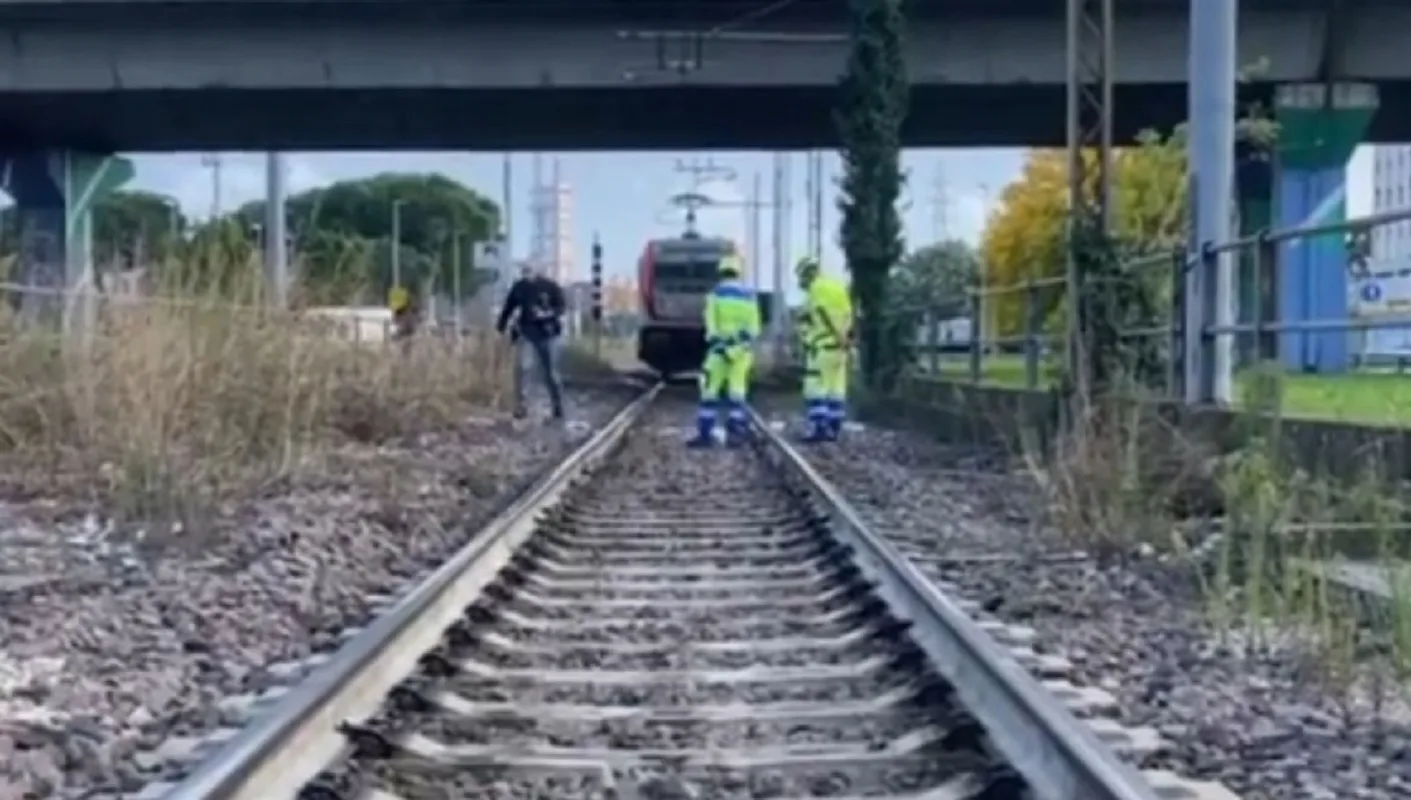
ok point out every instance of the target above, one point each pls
(566, 119)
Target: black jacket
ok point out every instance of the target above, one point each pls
(540, 306)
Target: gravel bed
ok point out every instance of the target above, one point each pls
(677, 695)
(724, 547)
(647, 733)
(669, 659)
(711, 594)
(114, 642)
(638, 632)
(649, 784)
(611, 559)
(591, 613)
(1254, 722)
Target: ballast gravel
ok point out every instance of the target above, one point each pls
(1258, 723)
(115, 644)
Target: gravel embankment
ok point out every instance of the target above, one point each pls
(114, 645)
(1259, 724)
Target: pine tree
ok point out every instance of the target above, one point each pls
(874, 102)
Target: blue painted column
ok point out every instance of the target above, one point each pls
(1317, 133)
(54, 193)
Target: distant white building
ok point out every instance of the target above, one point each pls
(1391, 191)
(551, 245)
(1386, 290)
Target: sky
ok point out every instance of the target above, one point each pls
(623, 197)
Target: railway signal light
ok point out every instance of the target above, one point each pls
(597, 277)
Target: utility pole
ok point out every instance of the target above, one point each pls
(276, 244)
(212, 161)
(815, 181)
(755, 227)
(1210, 290)
(506, 198)
(1090, 62)
(502, 282)
(397, 242)
(457, 267)
(940, 206)
(782, 229)
(987, 306)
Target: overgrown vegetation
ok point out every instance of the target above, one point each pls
(202, 395)
(1256, 533)
(1259, 538)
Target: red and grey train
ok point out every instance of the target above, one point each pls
(674, 276)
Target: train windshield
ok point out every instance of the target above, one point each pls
(692, 261)
(693, 270)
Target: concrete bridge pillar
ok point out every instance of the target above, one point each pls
(54, 194)
(1319, 127)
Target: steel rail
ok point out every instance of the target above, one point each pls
(299, 735)
(1052, 750)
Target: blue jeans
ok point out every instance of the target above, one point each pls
(546, 353)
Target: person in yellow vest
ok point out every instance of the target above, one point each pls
(399, 302)
(826, 329)
(732, 324)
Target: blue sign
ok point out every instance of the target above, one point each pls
(1371, 292)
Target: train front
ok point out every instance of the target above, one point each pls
(675, 276)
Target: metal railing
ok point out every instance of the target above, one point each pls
(1255, 335)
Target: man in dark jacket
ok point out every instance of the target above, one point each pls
(536, 304)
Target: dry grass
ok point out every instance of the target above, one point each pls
(1114, 479)
(1245, 527)
(174, 404)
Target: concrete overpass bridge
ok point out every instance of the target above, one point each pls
(161, 75)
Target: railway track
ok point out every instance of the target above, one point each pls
(652, 623)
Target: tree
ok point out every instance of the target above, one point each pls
(134, 227)
(936, 279)
(344, 232)
(1027, 239)
(874, 100)
(129, 228)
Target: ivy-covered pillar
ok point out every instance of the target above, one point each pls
(872, 106)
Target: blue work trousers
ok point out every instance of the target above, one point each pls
(543, 351)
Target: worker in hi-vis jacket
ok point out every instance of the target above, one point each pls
(732, 324)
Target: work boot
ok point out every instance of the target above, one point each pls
(817, 432)
(737, 432)
(705, 435)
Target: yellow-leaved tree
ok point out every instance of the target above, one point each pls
(1024, 236)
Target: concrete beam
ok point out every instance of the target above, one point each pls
(973, 50)
(348, 82)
